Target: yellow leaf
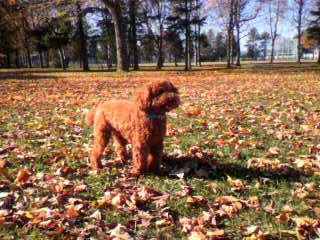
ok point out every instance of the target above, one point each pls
(29, 215)
(18, 98)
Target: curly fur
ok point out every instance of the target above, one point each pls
(140, 122)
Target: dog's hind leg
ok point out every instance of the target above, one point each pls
(155, 157)
(101, 138)
(120, 147)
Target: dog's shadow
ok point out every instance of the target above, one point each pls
(222, 169)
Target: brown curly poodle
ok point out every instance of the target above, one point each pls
(141, 122)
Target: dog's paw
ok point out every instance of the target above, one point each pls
(95, 165)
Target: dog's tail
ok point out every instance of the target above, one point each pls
(90, 116)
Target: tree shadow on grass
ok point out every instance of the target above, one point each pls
(285, 67)
(220, 169)
(22, 76)
(254, 67)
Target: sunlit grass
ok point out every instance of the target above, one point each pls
(273, 106)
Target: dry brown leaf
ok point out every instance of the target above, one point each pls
(195, 200)
(72, 212)
(23, 175)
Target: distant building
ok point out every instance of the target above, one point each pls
(286, 49)
(311, 54)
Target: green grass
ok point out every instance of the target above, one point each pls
(277, 105)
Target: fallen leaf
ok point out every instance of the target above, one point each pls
(23, 175)
(163, 223)
(197, 236)
(195, 200)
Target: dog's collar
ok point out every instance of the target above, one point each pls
(156, 116)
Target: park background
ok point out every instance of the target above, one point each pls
(242, 152)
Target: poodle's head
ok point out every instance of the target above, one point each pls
(157, 97)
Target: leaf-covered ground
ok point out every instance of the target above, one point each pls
(242, 157)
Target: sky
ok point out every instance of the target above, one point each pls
(287, 26)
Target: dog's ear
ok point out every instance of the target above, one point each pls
(142, 98)
(165, 86)
(173, 87)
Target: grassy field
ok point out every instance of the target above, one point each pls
(242, 157)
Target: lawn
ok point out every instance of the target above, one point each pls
(242, 157)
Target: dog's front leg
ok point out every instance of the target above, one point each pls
(140, 154)
(155, 157)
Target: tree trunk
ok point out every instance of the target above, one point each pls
(109, 32)
(133, 39)
(199, 45)
(41, 58)
(272, 50)
(237, 23)
(300, 4)
(80, 61)
(108, 56)
(319, 54)
(196, 45)
(238, 48)
(274, 29)
(190, 51)
(187, 33)
(187, 51)
(121, 39)
(190, 38)
(82, 39)
(232, 50)
(230, 33)
(197, 36)
(47, 59)
(29, 58)
(160, 48)
(299, 46)
(232, 45)
(8, 60)
(62, 58)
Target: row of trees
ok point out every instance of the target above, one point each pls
(128, 31)
(235, 15)
(45, 25)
